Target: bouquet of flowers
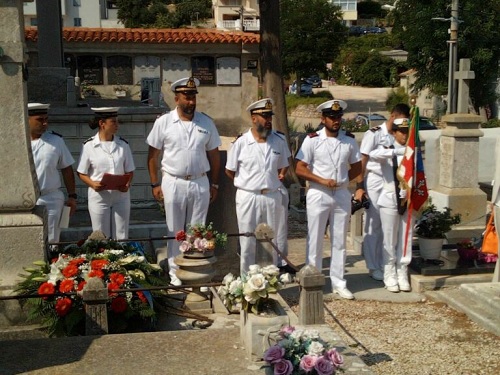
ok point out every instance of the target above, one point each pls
(201, 238)
(119, 265)
(302, 352)
(252, 288)
(434, 223)
(467, 249)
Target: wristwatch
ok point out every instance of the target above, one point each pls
(215, 186)
(74, 196)
(155, 185)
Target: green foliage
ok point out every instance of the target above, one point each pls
(492, 123)
(434, 223)
(354, 127)
(369, 9)
(292, 101)
(309, 42)
(396, 96)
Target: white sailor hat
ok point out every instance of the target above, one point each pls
(186, 85)
(37, 109)
(333, 107)
(263, 106)
(105, 112)
(401, 123)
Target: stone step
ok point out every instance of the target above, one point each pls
(487, 294)
(421, 283)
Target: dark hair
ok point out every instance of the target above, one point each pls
(94, 123)
(401, 109)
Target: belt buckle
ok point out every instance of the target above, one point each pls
(264, 191)
(188, 177)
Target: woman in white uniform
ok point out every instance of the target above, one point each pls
(107, 153)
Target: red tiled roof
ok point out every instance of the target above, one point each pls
(159, 36)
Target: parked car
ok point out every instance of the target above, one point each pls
(426, 124)
(305, 88)
(375, 30)
(357, 30)
(315, 81)
(372, 119)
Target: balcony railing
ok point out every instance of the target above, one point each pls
(248, 25)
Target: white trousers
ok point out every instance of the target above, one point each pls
(323, 206)
(253, 209)
(110, 212)
(373, 238)
(394, 231)
(281, 231)
(186, 202)
(54, 203)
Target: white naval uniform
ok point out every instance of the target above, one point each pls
(394, 225)
(109, 209)
(374, 138)
(185, 185)
(330, 158)
(256, 168)
(281, 231)
(51, 154)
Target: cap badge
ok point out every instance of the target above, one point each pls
(190, 84)
(269, 105)
(405, 123)
(336, 106)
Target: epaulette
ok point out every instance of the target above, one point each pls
(280, 134)
(375, 128)
(312, 135)
(59, 135)
(349, 134)
(88, 140)
(123, 139)
(236, 138)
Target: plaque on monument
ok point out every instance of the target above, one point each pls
(120, 70)
(146, 67)
(90, 69)
(228, 71)
(175, 67)
(203, 68)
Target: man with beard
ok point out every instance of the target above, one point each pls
(254, 163)
(329, 159)
(50, 154)
(190, 144)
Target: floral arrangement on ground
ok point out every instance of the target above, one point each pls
(302, 352)
(434, 223)
(119, 265)
(200, 238)
(251, 290)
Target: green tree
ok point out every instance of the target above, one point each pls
(311, 35)
(369, 9)
(136, 13)
(425, 40)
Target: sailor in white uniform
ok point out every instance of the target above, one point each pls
(254, 163)
(329, 159)
(103, 153)
(190, 144)
(50, 156)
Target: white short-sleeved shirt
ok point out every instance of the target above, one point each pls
(95, 159)
(50, 154)
(184, 144)
(374, 138)
(256, 164)
(330, 157)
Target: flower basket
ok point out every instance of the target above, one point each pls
(198, 254)
(430, 248)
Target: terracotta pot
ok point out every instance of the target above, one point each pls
(430, 248)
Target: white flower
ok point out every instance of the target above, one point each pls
(116, 252)
(235, 286)
(254, 269)
(228, 279)
(270, 270)
(316, 348)
(312, 334)
(129, 259)
(297, 334)
(286, 278)
(55, 274)
(257, 282)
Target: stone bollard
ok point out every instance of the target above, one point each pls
(311, 283)
(95, 296)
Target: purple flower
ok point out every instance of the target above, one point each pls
(335, 357)
(283, 367)
(307, 362)
(274, 353)
(323, 366)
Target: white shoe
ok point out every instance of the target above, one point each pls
(175, 281)
(344, 293)
(404, 286)
(377, 275)
(393, 288)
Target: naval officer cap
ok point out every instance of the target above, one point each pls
(332, 108)
(37, 109)
(186, 85)
(105, 112)
(261, 107)
(401, 124)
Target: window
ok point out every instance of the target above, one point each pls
(346, 4)
(77, 21)
(33, 22)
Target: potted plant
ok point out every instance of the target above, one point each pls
(431, 230)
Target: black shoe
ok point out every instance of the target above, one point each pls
(287, 269)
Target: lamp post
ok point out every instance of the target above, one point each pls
(452, 98)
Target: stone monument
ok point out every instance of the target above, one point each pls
(22, 229)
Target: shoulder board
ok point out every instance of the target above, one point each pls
(88, 140)
(203, 113)
(375, 128)
(349, 134)
(123, 139)
(281, 135)
(236, 138)
(312, 135)
(59, 135)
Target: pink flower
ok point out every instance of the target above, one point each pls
(307, 362)
(283, 367)
(335, 357)
(274, 353)
(287, 330)
(185, 246)
(199, 243)
(323, 366)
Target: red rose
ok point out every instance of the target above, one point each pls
(66, 286)
(46, 288)
(180, 236)
(117, 278)
(70, 271)
(63, 306)
(96, 273)
(119, 305)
